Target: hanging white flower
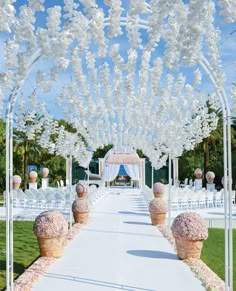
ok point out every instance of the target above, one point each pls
(228, 10)
(69, 7)
(36, 5)
(197, 77)
(115, 17)
(54, 20)
(7, 12)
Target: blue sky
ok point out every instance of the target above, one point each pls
(227, 47)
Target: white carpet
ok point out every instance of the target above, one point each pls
(119, 250)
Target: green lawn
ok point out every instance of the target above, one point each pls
(213, 252)
(25, 248)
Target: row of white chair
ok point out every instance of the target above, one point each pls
(52, 198)
(187, 198)
(182, 199)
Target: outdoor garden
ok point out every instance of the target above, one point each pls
(79, 78)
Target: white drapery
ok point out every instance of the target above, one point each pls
(132, 171)
(116, 157)
(110, 172)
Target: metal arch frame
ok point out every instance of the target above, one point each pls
(227, 167)
(169, 190)
(9, 187)
(227, 175)
(9, 173)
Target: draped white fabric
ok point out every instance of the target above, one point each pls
(132, 171)
(110, 172)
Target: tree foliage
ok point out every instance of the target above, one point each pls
(208, 155)
(187, 163)
(101, 152)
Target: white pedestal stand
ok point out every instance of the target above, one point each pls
(45, 183)
(33, 185)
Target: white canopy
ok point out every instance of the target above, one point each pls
(123, 159)
(122, 156)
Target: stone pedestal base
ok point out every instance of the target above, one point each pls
(158, 218)
(158, 195)
(16, 186)
(188, 249)
(51, 247)
(81, 217)
(82, 195)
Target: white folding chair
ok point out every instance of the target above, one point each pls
(210, 199)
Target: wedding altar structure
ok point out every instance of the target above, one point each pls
(134, 166)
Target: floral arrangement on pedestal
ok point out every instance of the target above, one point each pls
(198, 173)
(16, 182)
(198, 180)
(210, 176)
(81, 190)
(45, 172)
(50, 227)
(158, 208)
(33, 176)
(80, 209)
(189, 230)
(158, 190)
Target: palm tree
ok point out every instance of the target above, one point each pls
(29, 149)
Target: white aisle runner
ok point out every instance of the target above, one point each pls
(119, 250)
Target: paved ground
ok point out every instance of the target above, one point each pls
(119, 250)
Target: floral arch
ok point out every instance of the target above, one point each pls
(121, 92)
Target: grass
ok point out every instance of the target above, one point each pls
(25, 249)
(213, 252)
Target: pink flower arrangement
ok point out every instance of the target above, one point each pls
(210, 176)
(198, 173)
(190, 226)
(209, 279)
(81, 205)
(33, 174)
(159, 188)
(72, 233)
(81, 188)
(158, 205)
(16, 179)
(50, 224)
(45, 172)
(32, 275)
(167, 234)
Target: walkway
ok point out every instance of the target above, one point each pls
(119, 250)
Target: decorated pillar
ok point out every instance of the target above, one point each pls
(69, 170)
(45, 179)
(176, 171)
(100, 166)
